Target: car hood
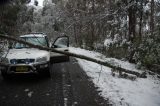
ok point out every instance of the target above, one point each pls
(26, 53)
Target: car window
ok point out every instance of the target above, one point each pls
(41, 41)
(61, 42)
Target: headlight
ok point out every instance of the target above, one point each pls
(41, 59)
(4, 60)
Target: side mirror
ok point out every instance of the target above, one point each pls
(61, 42)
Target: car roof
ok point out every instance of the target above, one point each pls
(34, 35)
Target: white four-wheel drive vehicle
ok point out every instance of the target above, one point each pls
(22, 59)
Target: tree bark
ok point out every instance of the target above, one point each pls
(105, 63)
(140, 23)
(132, 20)
(152, 18)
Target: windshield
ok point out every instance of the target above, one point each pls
(41, 41)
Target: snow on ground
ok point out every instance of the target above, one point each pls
(120, 91)
(30, 94)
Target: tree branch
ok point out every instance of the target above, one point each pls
(105, 63)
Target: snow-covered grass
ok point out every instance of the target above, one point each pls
(120, 91)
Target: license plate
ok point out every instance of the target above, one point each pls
(21, 69)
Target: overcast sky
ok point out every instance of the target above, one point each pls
(40, 2)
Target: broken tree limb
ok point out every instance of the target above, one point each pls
(104, 63)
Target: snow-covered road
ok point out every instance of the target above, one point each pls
(120, 91)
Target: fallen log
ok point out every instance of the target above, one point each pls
(104, 63)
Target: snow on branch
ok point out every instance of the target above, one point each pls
(105, 63)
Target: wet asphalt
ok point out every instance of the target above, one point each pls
(68, 86)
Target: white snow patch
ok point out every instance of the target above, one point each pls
(26, 90)
(47, 94)
(146, 8)
(110, 41)
(121, 92)
(30, 94)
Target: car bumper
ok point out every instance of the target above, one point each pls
(29, 68)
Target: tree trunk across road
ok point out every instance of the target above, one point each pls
(105, 63)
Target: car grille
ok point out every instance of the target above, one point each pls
(22, 61)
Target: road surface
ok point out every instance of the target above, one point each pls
(68, 86)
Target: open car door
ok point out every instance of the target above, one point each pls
(61, 43)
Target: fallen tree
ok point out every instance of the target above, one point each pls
(104, 63)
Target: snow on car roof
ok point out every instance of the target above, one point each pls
(33, 35)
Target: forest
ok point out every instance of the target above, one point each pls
(123, 29)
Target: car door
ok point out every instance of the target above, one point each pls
(61, 43)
